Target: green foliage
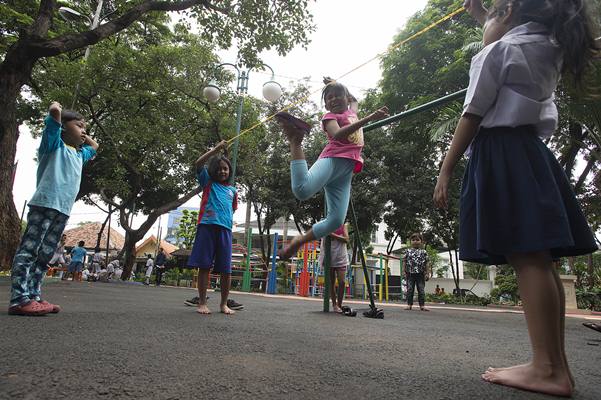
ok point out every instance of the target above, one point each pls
(186, 229)
(589, 299)
(475, 271)
(452, 299)
(507, 285)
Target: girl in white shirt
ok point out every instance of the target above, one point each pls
(517, 205)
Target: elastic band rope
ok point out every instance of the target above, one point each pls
(392, 47)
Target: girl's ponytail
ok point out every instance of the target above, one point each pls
(570, 25)
(573, 29)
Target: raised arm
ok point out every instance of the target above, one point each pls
(55, 110)
(202, 160)
(90, 142)
(332, 127)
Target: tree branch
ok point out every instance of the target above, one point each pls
(41, 25)
(38, 48)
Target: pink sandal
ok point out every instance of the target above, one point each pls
(54, 308)
(31, 309)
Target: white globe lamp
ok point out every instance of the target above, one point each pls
(211, 92)
(272, 91)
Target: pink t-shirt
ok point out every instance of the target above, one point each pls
(344, 148)
(339, 231)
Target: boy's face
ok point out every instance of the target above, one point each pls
(74, 132)
(416, 242)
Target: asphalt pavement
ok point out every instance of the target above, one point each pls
(124, 341)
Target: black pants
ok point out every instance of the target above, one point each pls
(420, 281)
(159, 275)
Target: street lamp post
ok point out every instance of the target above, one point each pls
(271, 91)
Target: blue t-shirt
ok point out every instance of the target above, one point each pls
(59, 170)
(219, 201)
(78, 254)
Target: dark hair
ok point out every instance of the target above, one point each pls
(81, 243)
(416, 235)
(335, 87)
(213, 166)
(569, 23)
(69, 115)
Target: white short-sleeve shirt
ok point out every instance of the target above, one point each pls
(513, 79)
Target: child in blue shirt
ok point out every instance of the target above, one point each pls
(212, 247)
(78, 256)
(64, 149)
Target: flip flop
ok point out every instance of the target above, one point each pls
(297, 122)
(349, 312)
(595, 327)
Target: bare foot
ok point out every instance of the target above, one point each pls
(409, 308)
(203, 309)
(549, 380)
(424, 309)
(292, 248)
(337, 309)
(226, 310)
(293, 134)
(572, 380)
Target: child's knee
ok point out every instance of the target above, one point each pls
(301, 192)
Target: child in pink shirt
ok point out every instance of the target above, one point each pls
(334, 169)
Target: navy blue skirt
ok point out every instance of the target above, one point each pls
(516, 198)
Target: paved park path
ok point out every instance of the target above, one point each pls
(123, 341)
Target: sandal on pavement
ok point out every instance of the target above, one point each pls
(54, 308)
(31, 309)
(595, 327)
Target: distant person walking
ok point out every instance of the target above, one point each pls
(160, 265)
(149, 266)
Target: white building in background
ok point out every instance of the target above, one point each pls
(173, 223)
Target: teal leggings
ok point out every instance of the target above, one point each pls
(334, 175)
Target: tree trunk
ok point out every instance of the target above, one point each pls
(99, 239)
(129, 248)
(14, 73)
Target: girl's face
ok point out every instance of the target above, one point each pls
(498, 22)
(416, 243)
(74, 132)
(336, 101)
(223, 172)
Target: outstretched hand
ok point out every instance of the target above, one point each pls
(379, 114)
(220, 145)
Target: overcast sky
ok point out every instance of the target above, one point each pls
(349, 32)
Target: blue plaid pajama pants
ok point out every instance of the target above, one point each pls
(44, 229)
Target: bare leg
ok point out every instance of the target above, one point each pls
(295, 244)
(225, 292)
(547, 372)
(335, 305)
(203, 281)
(341, 286)
(562, 315)
(295, 138)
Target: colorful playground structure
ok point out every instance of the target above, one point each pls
(304, 276)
